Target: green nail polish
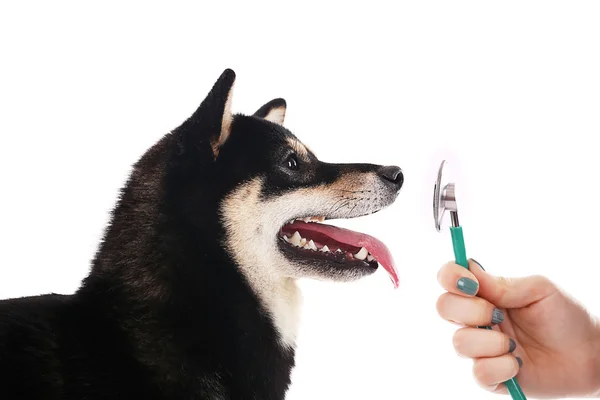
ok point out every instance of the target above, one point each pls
(512, 346)
(497, 317)
(520, 362)
(467, 286)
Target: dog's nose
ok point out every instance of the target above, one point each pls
(393, 174)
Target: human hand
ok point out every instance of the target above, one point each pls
(539, 332)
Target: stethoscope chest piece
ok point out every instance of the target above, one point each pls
(444, 198)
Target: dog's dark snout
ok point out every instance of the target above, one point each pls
(392, 174)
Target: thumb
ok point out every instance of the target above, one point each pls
(511, 292)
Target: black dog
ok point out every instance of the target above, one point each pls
(192, 293)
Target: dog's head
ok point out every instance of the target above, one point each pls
(271, 193)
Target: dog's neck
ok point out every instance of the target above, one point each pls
(281, 298)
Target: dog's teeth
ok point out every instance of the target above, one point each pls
(312, 245)
(295, 239)
(287, 239)
(325, 249)
(320, 219)
(306, 246)
(307, 219)
(362, 254)
(302, 242)
(339, 251)
(370, 258)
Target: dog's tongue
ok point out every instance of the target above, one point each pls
(375, 246)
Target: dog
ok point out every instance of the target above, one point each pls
(192, 293)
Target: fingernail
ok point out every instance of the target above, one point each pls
(477, 262)
(512, 346)
(519, 361)
(497, 317)
(467, 286)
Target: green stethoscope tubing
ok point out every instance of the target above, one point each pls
(460, 256)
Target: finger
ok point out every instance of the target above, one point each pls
(498, 388)
(511, 292)
(493, 371)
(482, 343)
(458, 280)
(471, 311)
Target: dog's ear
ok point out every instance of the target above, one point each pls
(273, 111)
(209, 127)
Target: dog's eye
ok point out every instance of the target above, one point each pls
(292, 162)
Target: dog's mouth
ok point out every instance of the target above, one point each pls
(310, 238)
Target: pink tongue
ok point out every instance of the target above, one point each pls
(375, 246)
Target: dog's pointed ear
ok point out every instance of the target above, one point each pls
(273, 111)
(210, 125)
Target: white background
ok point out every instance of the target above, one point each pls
(509, 92)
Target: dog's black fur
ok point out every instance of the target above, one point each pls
(165, 312)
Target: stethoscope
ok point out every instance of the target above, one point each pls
(444, 199)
